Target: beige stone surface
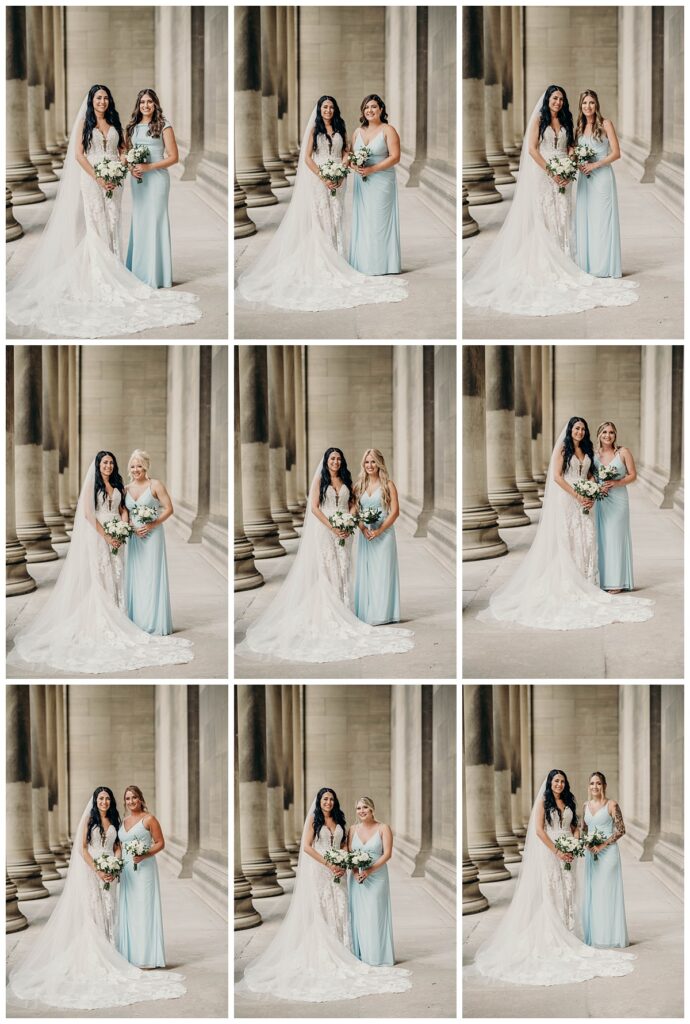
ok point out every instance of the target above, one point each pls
(583, 377)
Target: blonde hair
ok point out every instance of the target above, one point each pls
(142, 457)
(608, 423)
(361, 483)
(598, 124)
(137, 792)
(367, 801)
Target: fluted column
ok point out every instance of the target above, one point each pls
(291, 353)
(28, 454)
(49, 88)
(298, 762)
(18, 580)
(245, 914)
(291, 845)
(256, 489)
(52, 778)
(507, 88)
(40, 156)
(479, 794)
(274, 782)
(244, 225)
(51, 456)
(480, 537)
(62, 776)
(21, 864)
(276, 440)
(269, 99)
(284, 150)
(516, 767)
(473, 899)
(526, 792)
(247, 576)
(251, 173)
(500, 437)
(257, 865)
(300, 435)
(547, 424)
(14, 919)
(292, 83)
(477, 173)
(502, 774)
(537, 445)
(59, 50)
(523, 428)
(518, 81)
(73, 428)
(494, 97)
(39, 784)
(63, 434)
(21, 174)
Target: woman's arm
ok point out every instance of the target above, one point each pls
(172, 157)
(387, 840)
(541, 832)
(629, 478)
(393, 158)
(158, 843)
(393, 514)
(80, 157)
(163, 498)
(562, 482)
(89, 859)
(533, 145)
(308, 838)
(314, 167)
(615, 153)
(316, 509)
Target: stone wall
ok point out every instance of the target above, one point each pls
(441, 868)
(172, 789)
(437, 181)
(442, 523)
(173, 58)
(410, 788)
(660, 463)
(411, 419)
(210, 867)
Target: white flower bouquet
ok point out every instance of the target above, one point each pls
(588, 489)
(583, 153)
(112, 172)
(334, 172)
(595, 838)
(138, 155)
(607, 473)
(569, 844)
(360, 860)
(562, 167)
(109, 865)
(118, 530)
(145, 513)
(137, 848)
(345, 522)
(369, 515)
(339, 859)
(359, 157)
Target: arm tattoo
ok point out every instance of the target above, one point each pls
(618, 825)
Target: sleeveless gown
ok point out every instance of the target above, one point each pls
(613, 535)
(329, 209)
(371, 920)
(140, 927)
(556, 208)
(336, 558)
(146, 584)
(149, 253)
(603, 917)
(597, 227)
(102, 215)
(375, 240)
(331, 897)
(377, 586)
(561, 883)
(110, 568)
(104, 901)
(580, 528)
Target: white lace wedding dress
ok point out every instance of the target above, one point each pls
(102, 215)
(579, 528)
(102, 901)
(330, 209)
(556, 207)
(108, 566)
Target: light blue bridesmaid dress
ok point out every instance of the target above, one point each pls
(603, 912)
(375, 238)
(371, 920)
(147, 594)
(597, 227)
(149, 254)
(140, 924)
(613, 534)
(377, 585)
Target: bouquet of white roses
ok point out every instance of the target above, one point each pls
(569, 844)
(138, 155)
(583, 153)
(595, 838)
(109, 865)
(588, 489)
(333, 171)
(562, 167)
(345, 522)
(112, 172)
(369, 515)
(607, 472)
(145, 513)
(119, 530)
(359, 157)
(137, 848)
(339, 859)
(360, 860)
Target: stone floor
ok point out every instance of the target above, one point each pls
(429, 249)
(653, 990)
(200, 257)
(425, 943)
(640, 650)
(196, 945)
(652, 246)
(199, 598)
(427, 601)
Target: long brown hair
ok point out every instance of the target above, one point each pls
(372, 96)
(157, 121)
(137, 792)
(598, 125)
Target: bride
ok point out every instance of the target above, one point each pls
(83, 626)
(556, 586)
(303, 266)
(311, 619)
(73, 963)
(528, 269)
(309, 959)
(75, 284)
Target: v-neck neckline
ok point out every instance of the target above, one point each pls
(137, 500)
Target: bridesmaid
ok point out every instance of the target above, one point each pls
(375, 240)
(603, 914)
(140, 926)
(613, 513)
(371, 920)
(597, 228)
(147, 593)
(149, 253)
(377, 585)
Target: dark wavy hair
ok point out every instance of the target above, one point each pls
(157, 123)
(111, 116)
(585, 444)
(325, 481)
(115, 479)
(564, 114)
(567, 797)
(372, 96)
(337, 814)
(337, 123)
(112, 814)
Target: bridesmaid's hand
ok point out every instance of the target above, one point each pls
(369, 534)
(138, 859)
(141, 531)
(139, 169)
(362, 875)
(373, 534)
(607, 487)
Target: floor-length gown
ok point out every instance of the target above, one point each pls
(104, 901)
(371, 919)
(337, 557)
(331, 896)
(603, 912)
(375, 236)
(613, 534)
(329, 208)
(580, 529)
(102, 215)
(556, 206)
(377, 584)
(149, 253)
(110, 567)
(140, 925)
(597, 226)
(146, 585)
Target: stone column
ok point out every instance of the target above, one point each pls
(274, 782)
(28, 454)
(247, 576)
(516, 767)
(257, 865)
(52, 778)
(244, 225)
(291, 353)
(18, 580)
(256, 496)
(19, 837)
(49, 88)
(300, 435)
(537, 446)
(480, 537)
(300, 811)
(63, 434)
(507, 88)
(269, 99)
(526, 793)
(547, 426)
(59, 50)
(291, 845)
(469, 224)
(13, 228)
(40, 156)
(284, 148)
(477, 173)
(251, 173)
(21, 174)
(51, 456)
(493, 92)
(62, 775)
(473, 899)
(73, 427)
(246, 916)
(500, 437)
(479, 795)
(523, 428)
(292, 83)
(39, 785)
(14, 919)
(502, 773)
(276, 440)
(518, 82)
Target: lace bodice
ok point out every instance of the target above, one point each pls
(577, 470)
(554, 828)
(333, 502)
(323, 152)
(550, 145)
(98, 845)
(107, 507)
(327, 840)
(100, 147)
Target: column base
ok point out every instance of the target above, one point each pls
(283, 520)
(14, 919)
(244, 225)
(276, 173)
(257, 189)
(23, 183)
(265, 545)
(530, 494)
(501, 169)
(480, 185)
(17, 578)
(473, 899)
(245, 914)
(263, 881)
(27, 879)
(480, 538)
(36, 543)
